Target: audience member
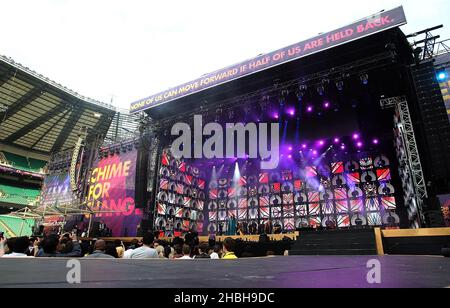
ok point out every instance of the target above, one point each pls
(186, 253)
(228, 248)
(203, 251)
(99, 251)
(144, 252)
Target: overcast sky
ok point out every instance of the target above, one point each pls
(128, 50)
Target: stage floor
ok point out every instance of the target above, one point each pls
(269, 272)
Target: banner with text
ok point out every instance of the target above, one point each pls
(357, 30)
(111, 190)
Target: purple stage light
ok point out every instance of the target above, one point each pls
(343, 147)
(304, 146)
(326, 104)
(314, 152)
(375, 141)
(355, 136)
(321, 142)
(336, 140)
(291, 111)
(359, 144)
(290, 148)
(289, 156)
(309, 109)
(276, 116)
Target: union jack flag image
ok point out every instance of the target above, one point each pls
(372, 204)
(242, 181)
(288, 211)
(243, 203)
(264, 212)
(231, 192)
(264, 201)
(356, 206)
(201, 184)
(314, 209)
(288, 198)
(388, 203)
(187, 202)
(313, 196)
(164, 184)
(343, 221)
(353, 178)
(242, 214)
(213, 194)
(298, 185)
(161, 209)
(212, 216)
(179, 189)
(337, 168)
(188, 179)
(340, 193)
(264, 178)
(383, 175)
(178, 212)
(181, 166)
(341, 206)
(289, 224)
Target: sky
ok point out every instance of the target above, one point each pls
(122, 51)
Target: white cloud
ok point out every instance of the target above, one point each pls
(136, 48)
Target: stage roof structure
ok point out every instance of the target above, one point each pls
(42, 116)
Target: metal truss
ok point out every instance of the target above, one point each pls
(412, 162)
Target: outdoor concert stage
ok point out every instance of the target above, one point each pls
(269, 272)
(348, 157)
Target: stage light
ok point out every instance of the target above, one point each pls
(336, 140)
(276, 116)
(342, 146)
(359, 144)
(314, 152)
(364, 79)
(291, 111)
(326, 104)
(321, 142)
(304, 146)
(309, 109)
(355, 136)
(442, 76)
(375, 141)
(290, 148)
(289, 156)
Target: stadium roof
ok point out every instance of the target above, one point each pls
(39, 115)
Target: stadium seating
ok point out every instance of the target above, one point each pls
(21, 162)
(12, 226)
(17, 195)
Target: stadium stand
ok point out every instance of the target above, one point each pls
(14, 226)
(22, 163)
(17, 195)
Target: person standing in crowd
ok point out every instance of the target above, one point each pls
(49, 247)
(217, 252)
(203, 251)
(228, 248)
(186, 253)
(16, 248)
(144, 252)
(99, 251)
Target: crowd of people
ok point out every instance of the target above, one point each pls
(69, 246)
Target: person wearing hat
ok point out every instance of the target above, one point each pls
(99, 251)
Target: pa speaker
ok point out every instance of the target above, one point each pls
(141, 195)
